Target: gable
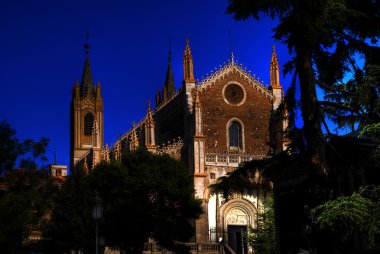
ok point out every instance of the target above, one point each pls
(229, 95)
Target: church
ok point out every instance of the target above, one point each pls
(212, 125)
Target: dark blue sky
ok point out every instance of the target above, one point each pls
(42, 55)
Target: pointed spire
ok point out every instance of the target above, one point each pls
(149, 131)
(86, 84)
(169, 87)
(134, 142)
(188, 66)
(158, 98)
(106, 155)
(85, 166)
(274, 70)
(117, 152)
(149, 117)
(98, 90)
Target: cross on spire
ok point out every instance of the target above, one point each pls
(87, 36)
(170, 49)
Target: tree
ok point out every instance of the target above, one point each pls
(23, 206)
(71, 226)
(27, 151)
(25, 196)
(356, 103)
(9, 147)
(312, 30)
(144, 196)
(263, 237)
(347, 215)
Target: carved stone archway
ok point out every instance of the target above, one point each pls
(237, 212)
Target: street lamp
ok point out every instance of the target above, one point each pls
(97, 213)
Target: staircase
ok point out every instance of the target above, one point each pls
(194, 248)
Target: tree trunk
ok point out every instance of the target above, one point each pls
(311, 113)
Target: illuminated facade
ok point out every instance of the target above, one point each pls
(212, 125)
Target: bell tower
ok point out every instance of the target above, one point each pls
(86, 115)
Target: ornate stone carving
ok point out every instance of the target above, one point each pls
(236, 217)
(87, 103)
(173, 148)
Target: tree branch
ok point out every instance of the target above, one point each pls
(335, 105)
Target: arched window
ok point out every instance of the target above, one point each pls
(88, 124)
(235, 135)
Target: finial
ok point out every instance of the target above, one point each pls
(232, 57)
(274, 70)
(274, 60)
(133, 124)
(188, 66)
(149, 104)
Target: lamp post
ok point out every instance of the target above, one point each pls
(97, 213)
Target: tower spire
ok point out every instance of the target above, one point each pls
(188, 66)
(169, 87)
(275, 80)
(274, 70)
(86, 84)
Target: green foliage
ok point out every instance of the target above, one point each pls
(27, 192)
(71, 226)
(372, 130)
(145, 195)
(349, 214)
(15, 218)
(9, 147)
(32, 151)
(27, 151)
(156, 199)
(23, 206)
(263, 237)
(356, 103)
(325, 37)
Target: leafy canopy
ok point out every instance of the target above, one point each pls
(146, 195)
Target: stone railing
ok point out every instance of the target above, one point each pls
(221, 159)
(35, 236)
(171, 148)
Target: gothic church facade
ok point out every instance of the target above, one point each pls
(212, 125)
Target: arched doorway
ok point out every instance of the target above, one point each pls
(238, 215)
